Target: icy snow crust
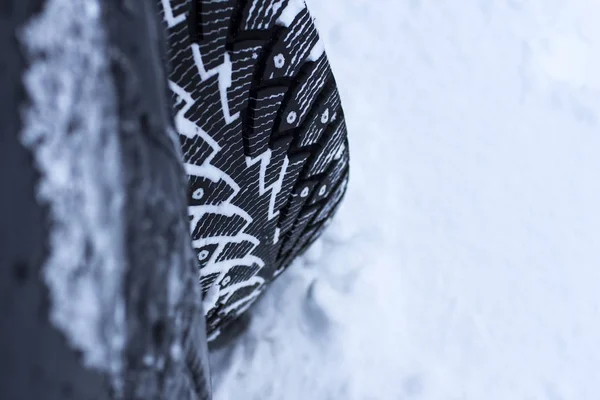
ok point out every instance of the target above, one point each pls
(464, 263)
(71, 128)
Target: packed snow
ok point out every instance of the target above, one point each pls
(465, 262)
(70, 128)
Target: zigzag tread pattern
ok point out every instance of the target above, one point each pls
(263, 137)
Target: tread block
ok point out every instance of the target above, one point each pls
(195, 150)
(306, 237)
(219, 224)
(293, 48)
(244, 57)
(209, 23)
(278, 156)
(239, 274)
(330, 181)
(296, 163)
(204, 254)
(334, 199)
(262, 114)
(203, 191)
(206, 281)
(306, 215)
(300, 195)
(301, 99)
(333, 146)
(261, 14)
(233, 250)
(206, 111)
(324, 114)
(240, 297)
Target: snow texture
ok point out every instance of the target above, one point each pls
(72, 130)
(465, 261)
(290, 12)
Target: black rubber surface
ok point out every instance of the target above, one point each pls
(263, 136)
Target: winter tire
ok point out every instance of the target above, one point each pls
(98, 281)
(263, 137)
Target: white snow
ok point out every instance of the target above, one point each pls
(465, 262)
(317, 51)
(169, 18)
(290, 12)
(72, 131)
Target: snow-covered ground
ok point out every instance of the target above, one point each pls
(465, 263)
